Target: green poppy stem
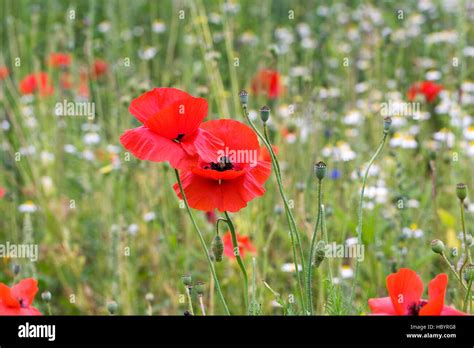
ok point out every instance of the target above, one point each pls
(203, 244)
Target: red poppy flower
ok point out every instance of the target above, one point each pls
(244, 243)
(265, 154)
(38, 82)
(267, 82)
(405, 289)
(100, 68)
(429, 89)
(2, 192)
(59, 60)
(18, 299)
(4, 72)
(170, 131)
(211, 217)
(234, 177)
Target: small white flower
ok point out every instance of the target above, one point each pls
(149, 216)
(133, 229)
(158, 27)
(289, 267)
(27, 207)
(91, 138)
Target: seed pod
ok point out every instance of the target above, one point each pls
(16, 268)
(265, 113)
(320, 170)
(387, 122)
(244, 97)
(437, 246)
(217, 247)
(461, 191)
(112, 307)
(199, 286)
(187, 279)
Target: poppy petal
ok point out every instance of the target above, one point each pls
(381, 305)
(146, 145)
(405, 288)
(25, 291)
(6, 297)
(150, 103)
(180, 119)
(447, 310)
(436, 293)
(204, 144)
(235, 136)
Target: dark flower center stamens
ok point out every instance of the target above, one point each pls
(179, 137)
(221, 166)
(414, 308)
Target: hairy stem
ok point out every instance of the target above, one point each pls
(309, 276)
(359, 213)
(235, 243)
(203, 244)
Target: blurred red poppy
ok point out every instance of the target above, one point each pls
(267, 82)
(244, 243)
(405, 289)
(100, 68)
(428, 89)
(37, 82)
(4, 72)
(233, 177)
(170, 130)
(59, 60)
(2, 192)
(18, 299)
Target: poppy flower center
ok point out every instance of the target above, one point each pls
(22, 304)
(222, 165)
(414, 308)
(179, 137)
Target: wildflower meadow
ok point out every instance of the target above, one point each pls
(201, 157)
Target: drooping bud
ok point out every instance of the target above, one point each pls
(112, 307)
(199, 288)
(387, 122)
(46, 296)
(320, 170)
(187, 279)
(437, 246)
(217, 247)
(461, 191)
(265, 113)
(320, 253)
(244, 97)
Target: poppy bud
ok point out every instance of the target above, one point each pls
(244, 97)
(320, 253)
(469, 273)
(187, 279)
(265, 113)
(217, 247)
(387, 122)
(46, 296)
(112, 307)
(149, 297)
(461, 191)
(437, 246)
(320, 170)
(199, 288)
(16, 268)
